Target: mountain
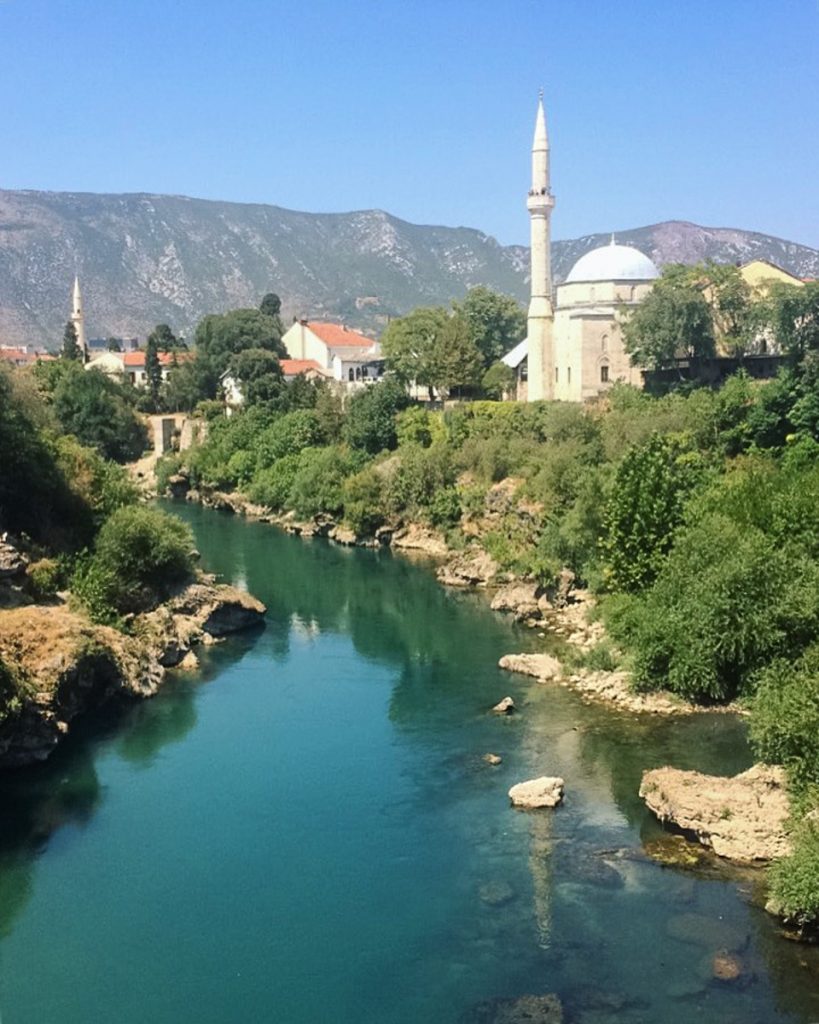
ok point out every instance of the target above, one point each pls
(145, 259)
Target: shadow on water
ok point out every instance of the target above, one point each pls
(38, 800)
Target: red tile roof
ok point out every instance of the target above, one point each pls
(137, 359)
(293, 367)
(19, 356)
(337, 336)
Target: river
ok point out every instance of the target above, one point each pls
(305, 831)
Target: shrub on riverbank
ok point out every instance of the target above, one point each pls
(140, 555)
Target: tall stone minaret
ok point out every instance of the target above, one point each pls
(78, 319)
(540, 356)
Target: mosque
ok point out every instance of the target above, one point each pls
(574, 347)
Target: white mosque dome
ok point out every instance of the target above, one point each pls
(613, 263)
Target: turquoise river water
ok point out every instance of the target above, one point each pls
(305, 831)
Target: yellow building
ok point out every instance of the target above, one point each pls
(760, 275)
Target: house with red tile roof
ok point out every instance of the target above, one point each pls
(131, 365)
(342, 354)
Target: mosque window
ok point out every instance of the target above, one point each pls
(557, 372)
(604, 343)
(569, 375)
(604, 374)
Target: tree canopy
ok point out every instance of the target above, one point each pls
(496, 322)
(221, 336)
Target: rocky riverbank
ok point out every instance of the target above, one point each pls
(58, 664)
(742, 818)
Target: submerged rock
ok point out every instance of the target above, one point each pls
(493, 759)
(495, 894)
(523, 1010)
(741, 818)
(504, 707)
(547, 791)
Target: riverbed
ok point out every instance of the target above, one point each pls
(305, 830)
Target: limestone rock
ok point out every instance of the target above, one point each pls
(521, 599)
(189, 663)
(741, 818)
(542, 666)
(493, 759)
(12, 562)
(547, 791)
(504, 707)
(63, 665)
(217, 609)
(421, 539)
(474, 568)
(343, 535)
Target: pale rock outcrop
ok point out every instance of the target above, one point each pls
(540, 666)
(493, 759)
(520, 599)
(63, 665)
(615, 688)
(473, 568)
(504, 707)
(547, 791)
(421, 539)
(741, 818)
(12, 561)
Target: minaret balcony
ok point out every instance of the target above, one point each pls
(539, 201)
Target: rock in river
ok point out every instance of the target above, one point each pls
(741, 818)
(547, 791)
(504, 707)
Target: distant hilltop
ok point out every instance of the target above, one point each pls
(147, 259)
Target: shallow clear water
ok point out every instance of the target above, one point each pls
(306, 831)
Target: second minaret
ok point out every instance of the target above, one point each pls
(540, 348)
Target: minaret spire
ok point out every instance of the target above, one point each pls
(541, 315)
(78, 318)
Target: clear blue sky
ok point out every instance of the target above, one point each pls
(705, 110)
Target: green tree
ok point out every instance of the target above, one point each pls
(114, 345)
(140, 555)
(498, 380)
(793, 316)
(164, 338)
(97, 411)
(408, 344)
(673, 321)
(188, 383)
(219, 337)
(496, 322)
(371, 416)
(271, 305)
(455, 362)
(644, 510)
(71, 348)
(260, 375)
(153, 371)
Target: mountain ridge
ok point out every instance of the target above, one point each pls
(145, 258)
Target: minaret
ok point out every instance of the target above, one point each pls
(541, 363)
(78, 319)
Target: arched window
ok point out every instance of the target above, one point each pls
(604, 343)
(604, 373)
(351, 373)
